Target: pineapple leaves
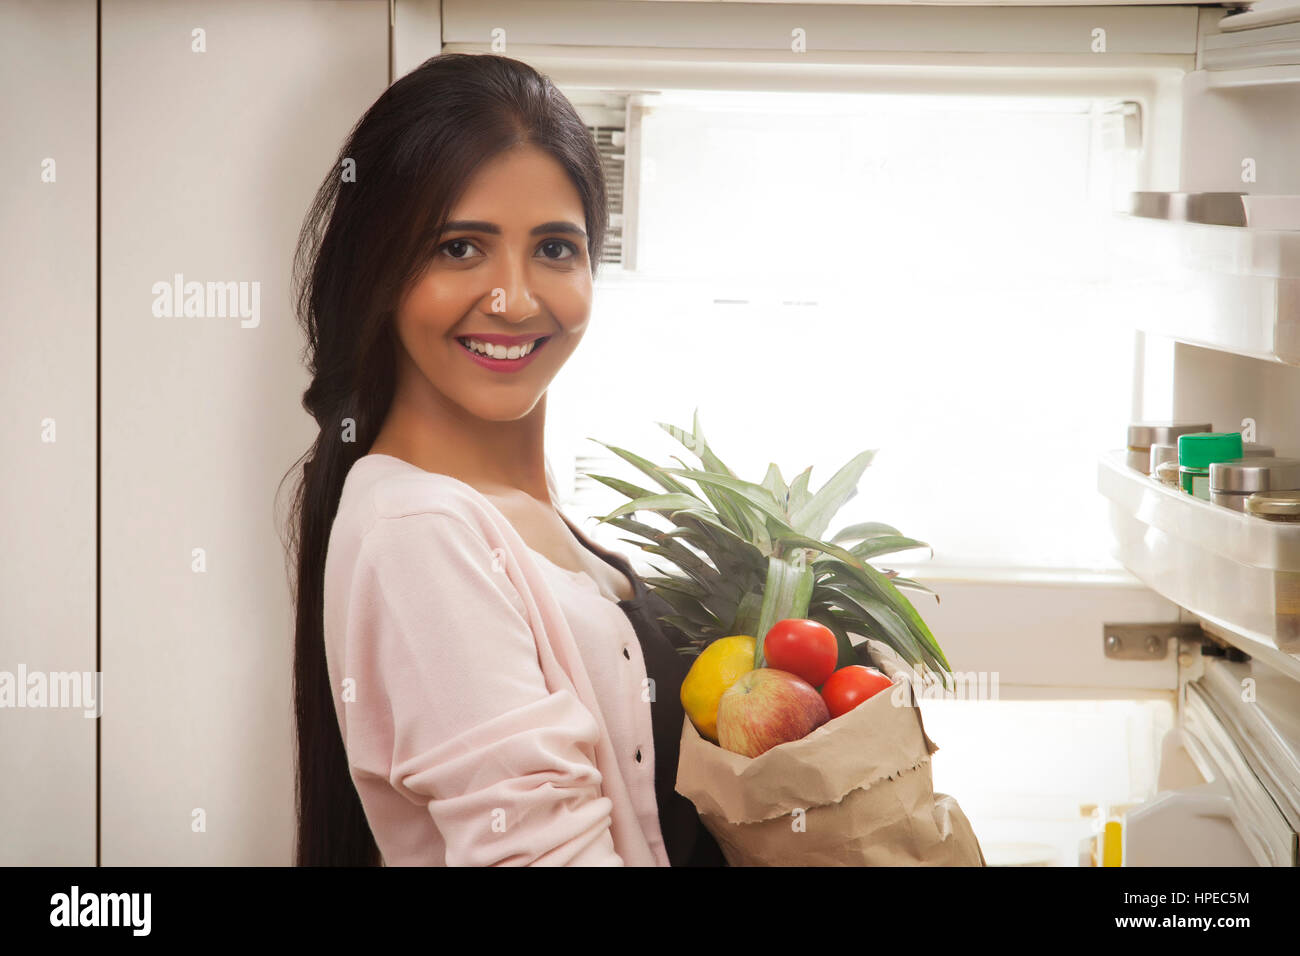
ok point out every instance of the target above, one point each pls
(774, 483)
(748, 612)
(649, 468)
(624, 488)
(798, 495)
(755, 495)
(870, 529)
(887, 544)
(697, 446)
(907, 584)
(664, 504)
(813, 517)
(786, 594)
(745, 555)
(877, 585)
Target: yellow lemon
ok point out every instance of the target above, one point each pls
(716, 668)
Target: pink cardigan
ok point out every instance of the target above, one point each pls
(473, 730)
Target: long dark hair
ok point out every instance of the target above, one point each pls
(371, 229)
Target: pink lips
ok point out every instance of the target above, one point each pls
(504, 365)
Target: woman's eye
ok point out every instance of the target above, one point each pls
(455, 245)
(557, 250)
(562, 246)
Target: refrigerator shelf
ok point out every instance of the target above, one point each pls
(1232, 288)
(1206, 232)
(1236, 570)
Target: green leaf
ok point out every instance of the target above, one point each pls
(799, 491)
(910, 585)
(785, 595)
(649, 468)
(900, 636)
(774, 483)
(887, 544)
(736, 515)
(664, 504)
(688, 607)
(869, 529)
(625, 488)
(816, 514)
(755, 495)
(668, 582)
(697, 446)
(875, 583)
(711, 523)
(748, 612)
(689, 563)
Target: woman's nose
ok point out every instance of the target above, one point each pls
(511, 296)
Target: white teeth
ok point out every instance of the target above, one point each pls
(499, 351)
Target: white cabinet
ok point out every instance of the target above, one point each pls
(47, 431)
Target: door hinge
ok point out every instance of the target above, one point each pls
(1147, 642)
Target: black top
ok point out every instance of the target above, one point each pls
(686, 840)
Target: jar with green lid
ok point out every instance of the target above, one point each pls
(1196, 452)
(1142, 435)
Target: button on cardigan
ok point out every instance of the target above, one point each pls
(482, 726)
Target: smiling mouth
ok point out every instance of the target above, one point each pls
(501, 352)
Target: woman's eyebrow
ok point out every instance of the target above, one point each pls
(479, 225)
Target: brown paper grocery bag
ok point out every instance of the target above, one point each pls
(857, 791)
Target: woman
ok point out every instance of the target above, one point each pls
(476, 682)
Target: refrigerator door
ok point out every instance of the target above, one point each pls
(1263, 816)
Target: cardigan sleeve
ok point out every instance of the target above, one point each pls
(452, 705)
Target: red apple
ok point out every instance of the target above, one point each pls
(766, 707)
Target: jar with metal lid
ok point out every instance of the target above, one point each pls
(1196, 452)
(1142, 435)
(1167, 473)
(1274, 505)
(1282, 506)
(1232, 482)
(1161, 454)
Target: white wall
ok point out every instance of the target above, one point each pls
(47, 488)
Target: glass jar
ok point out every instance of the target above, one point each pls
(1196, 452)
(1167, 473)
(1161, 454)
(1142, 435)
(1282, 506)
(1274, 505)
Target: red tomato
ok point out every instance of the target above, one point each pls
(850, 686)
(802, 647)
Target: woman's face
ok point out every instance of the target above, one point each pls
(511, 263)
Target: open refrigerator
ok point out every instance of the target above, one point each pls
(1214, 266)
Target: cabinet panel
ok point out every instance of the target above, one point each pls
(47, 389)
(210, 160)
